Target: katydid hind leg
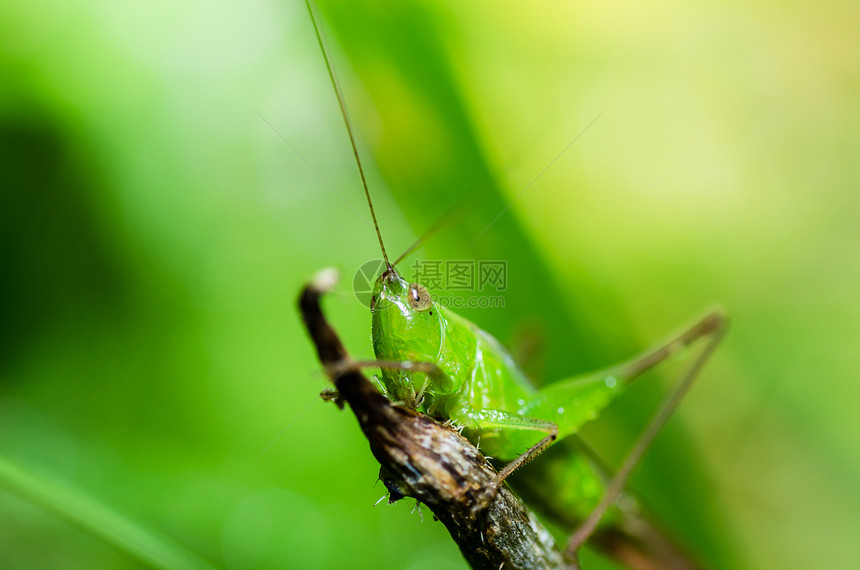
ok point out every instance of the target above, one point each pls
(573, 402)
(713, 328)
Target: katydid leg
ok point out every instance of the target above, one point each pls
(712, 327)
(407, 365)
(489, 419)
(500, 419)
(433, 372)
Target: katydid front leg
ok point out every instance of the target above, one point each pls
(433, 372)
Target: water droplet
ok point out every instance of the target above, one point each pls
(611, 382)
(561, 410)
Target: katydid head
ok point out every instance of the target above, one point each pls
(406, 327)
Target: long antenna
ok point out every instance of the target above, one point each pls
(340, 101)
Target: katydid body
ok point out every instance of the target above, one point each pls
(478, 385)
(474, 382)
(438, 362)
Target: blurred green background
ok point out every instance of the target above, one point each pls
(155, 230)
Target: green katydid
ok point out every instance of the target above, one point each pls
(436, 361)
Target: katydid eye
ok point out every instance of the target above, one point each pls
(419, 297)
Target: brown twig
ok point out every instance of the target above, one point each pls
(420, 458)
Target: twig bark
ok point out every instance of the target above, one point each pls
(420, 458)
